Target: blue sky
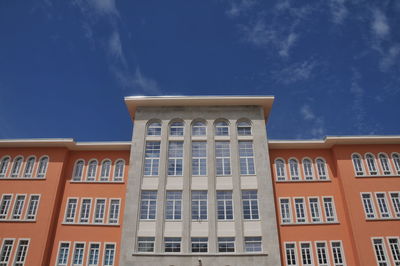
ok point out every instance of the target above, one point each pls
(332, 65)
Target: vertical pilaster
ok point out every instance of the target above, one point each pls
(187, 176)
(212, 221)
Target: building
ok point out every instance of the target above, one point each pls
(200, 184)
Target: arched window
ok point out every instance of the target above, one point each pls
(16, 166)
(29, 167)
(385, 164)
(371, 164)
(221, 128)
(78, 170)
(294, 169)
(42, 168)
(244, 128)
(357, 163)
(308, 169)
(154, 129)
(176, 129)
(92, 170)
(119, 170)
(199, 129)
(105, 170)
(280, 169)
(321, 167)
(396, 162)
(4, 166)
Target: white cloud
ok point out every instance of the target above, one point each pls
(115, 47)
(238, 7)
(258, 33)
(317, 124)
(379, 26)
(287, 44)
(390, 58)
(104, 7)
(295, 72)
(137, 83)
(307, 113)
(338, 10)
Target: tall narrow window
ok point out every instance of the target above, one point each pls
(321, 167)
(6, 251)
(290, 249)
(71, 210)
(172, 244)
(322, 254)
(175, 158)
(105, 170)
(146, 244)
(109, 254)
(244, 128)
(315, 210)
(300, 210)
(383, 205)
(199, 129)
(285, 211)
(94, 254)
(371, 164)
(113, 215)
(199, 205)
(152, 158)
(42, 168)
(119, 170)
(250, 204)
(306, 254)
(77, 258)
(148, 205)
(337, 253)
(280, 169)
(368, 204)
(199, 244)
(221, 128)
(380, 252)
(16, 168)
(294, 169)
(385, 164)
(395, 196)
(32, 207)
(63, 254)
(99, 211)
(246, 157)
(396, 162)
(85, 210)
(5, 206)
(4, 166)
(308, 169)
(176, 129)
(199, 158)
(223, 158)
(252, 244)
(226, 244)
(173, 209)
(154, 129)
(20, 255)
(358, 168)
(18, 207)
(92, 170)
(29, 167)
(78, 170)
(224, 205)
(395, 249)
(330, 212)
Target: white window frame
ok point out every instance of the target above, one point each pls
(16, 174)
(297, 214)
(74, 253)
(35, 210)
(4, 165)
(111, 221)
(326, 253)
(104, 252)
(254, 213)
(240, 125)
(372, 164)
(319, 170)
(286, 220)
(293, 256)
(204, 240)
(383, 204)
(199, 128)
(385, 254)
(152, 125)
(74, 212)
(309, 174)
(8, 208)
(225, 206)
(395, 257)
(101, 219)
(294, 170)
(21, 262)
(249, 168)
(176, 211)
(42, 174)
(341, 250)
(250, 240)
(359, 170)
(29, 169)
(280, 177)
(10, 251)
(172, 240)
(318, 218)
(145, 240)
(175, 160)
(99, 253)
(199, 205)
(92, 177)
(104, 177)
(148, 214)
(154, 162)
(372, 205)
(222, 160)
(177, 128)
(88, 212)
(200, 160)
(77, 178)
(385, 171)
(226, 241)
(58, 253)
(22, 209)
(115, 177)
(335, 218)
(301, 258)
(219, 129)
(396, 162)
(395, 201)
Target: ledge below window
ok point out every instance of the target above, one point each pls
(17, 221)
(303, 181)
(23, 178)
(320, 223)
(382, 219)
(96, 182)
(205, 254)
(375, 176)
(91, 224)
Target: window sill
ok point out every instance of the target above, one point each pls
(96, 182)
(375, 176)
(245, 137)
(319, 223)
(17, 221)
(222, 137)
(199, 137)
(175, 138)
(92, 224)
(304, 181)
(153, 137)
(383, 219)
(23, 178)
(198, 254)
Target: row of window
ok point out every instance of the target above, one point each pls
(30, 167)
(199, 205)
(303, 251)
(381, 198)
(108, 171)
(369, 166)
(199, 128)
(314, 210)
(381, 254)
(19, 212)
(310, 171)
(86, 252)
(99, 211)
(20, 253)
(199, 244)
(199, 158)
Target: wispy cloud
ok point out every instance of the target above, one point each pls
(379, 24)
(338, 10)
(287, 44)
(390, 58)
(115, 47)
(238, 7)
(306, 112)
(358, 108)
(295, 72)
(137, 83)
(317, 124)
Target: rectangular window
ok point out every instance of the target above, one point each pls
(306, 254)
(380, 252)
(285, 211)
(199, 244)
(252, 244)
(20, 254)
(290, 249)
(250, 204)
(109, 254)
(175, 158)
(300, 210)
(246, 156)
(94, 254)
(18, 207)
(368, 204)
(79, 250)
(395, 196)
(71, 210)
(6, 251)
(32, 207)
(395, 249)
(5, 206)
(199, 158)
(148, 205)
(383, 205)
(113, 215)
(99, 211)
(226, 244)
(173, 209)
(337, 253)
(146, 244)
(322, 254)
(85, 210)
(152, 158)
(224, 205)
(314, 210)
(223, 158)
(330, 212)
(199, 205)
(172, 244)
(63, 254)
